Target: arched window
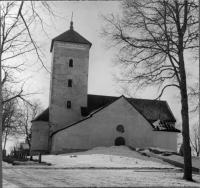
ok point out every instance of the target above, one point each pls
(119, 141)
(69, 104)
(71, 63)
(120, 128)
(70, 83)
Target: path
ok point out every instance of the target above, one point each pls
(35, 177)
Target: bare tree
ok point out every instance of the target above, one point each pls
(195, 139)
(21, 23)
(28, 113)
(16, 116)
(151, 38)
(10, 116)
(193, 96)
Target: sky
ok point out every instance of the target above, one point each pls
(87, 22)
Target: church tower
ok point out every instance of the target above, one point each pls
(69, 78)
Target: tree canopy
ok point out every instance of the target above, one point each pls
(147, 39)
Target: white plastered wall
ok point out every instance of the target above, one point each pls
(40, 134)
(100, 129)
(164, 139)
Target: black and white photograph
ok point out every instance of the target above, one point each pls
(100, 93)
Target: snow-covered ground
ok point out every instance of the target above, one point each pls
(103, 157)
(177, 158)
(99, 167)
(25, 177)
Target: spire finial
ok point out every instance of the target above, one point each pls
(71, 23)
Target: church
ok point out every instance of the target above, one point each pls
(78, 121)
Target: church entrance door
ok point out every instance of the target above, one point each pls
(119, 141)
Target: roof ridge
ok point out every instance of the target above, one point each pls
(147, 99)
(104, 95)
(128, 97)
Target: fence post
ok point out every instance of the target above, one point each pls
(40, 157)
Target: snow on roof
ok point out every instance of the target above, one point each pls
(160, 125)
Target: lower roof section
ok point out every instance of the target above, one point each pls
(44, 116)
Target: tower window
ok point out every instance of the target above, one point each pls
(69, 83)
(71, 63)
(69, 104)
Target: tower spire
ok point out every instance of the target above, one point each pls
(71, 23)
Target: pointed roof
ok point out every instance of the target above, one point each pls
(151, 109)
(70, 36)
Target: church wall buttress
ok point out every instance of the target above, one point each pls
(61, 93)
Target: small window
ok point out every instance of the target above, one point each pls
(69, 83)
(69, 104)
(120, 128)
(71, 63)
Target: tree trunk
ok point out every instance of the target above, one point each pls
(39, 158)
(185, 122)
(0, 105)
(186, 138)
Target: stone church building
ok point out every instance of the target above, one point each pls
(77, 121)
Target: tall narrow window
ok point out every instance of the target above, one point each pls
(71, 63)
(69, 83)
(69, 104)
